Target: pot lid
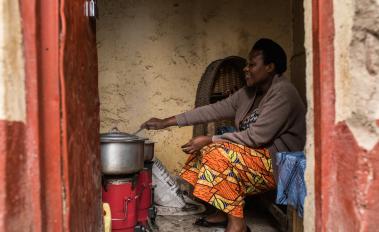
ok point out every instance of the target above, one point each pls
(117, 136)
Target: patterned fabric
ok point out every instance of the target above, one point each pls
(252, 118)
(224, 173)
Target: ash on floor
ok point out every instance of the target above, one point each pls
(257, 219)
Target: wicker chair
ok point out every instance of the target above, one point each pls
(220, 79)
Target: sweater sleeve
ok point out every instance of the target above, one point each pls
(274, 115)
(224, 109)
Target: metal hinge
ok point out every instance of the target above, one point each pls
(90, 8)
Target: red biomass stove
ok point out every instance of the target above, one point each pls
(145, 208)
(121, 195)
(131, 198)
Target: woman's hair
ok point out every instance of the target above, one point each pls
(272, 53)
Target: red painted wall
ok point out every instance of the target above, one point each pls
(13, 164)
(30, 174)
(50, 164)
(78, 56)
(355, 185)
(347, 186)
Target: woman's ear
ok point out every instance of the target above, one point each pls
(270, 68)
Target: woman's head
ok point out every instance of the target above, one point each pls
(266, 59)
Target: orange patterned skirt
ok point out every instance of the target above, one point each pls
(224, 173)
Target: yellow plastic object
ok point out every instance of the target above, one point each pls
(107, 217)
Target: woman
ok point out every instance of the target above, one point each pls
(270, 117)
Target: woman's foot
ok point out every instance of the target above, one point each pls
(218, 219)
(219, 216)
(236, 224)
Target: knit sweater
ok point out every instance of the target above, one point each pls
(280, 125)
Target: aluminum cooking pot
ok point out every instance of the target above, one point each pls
(149, 150)
(121, 153)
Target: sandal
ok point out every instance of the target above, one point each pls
(204, 223)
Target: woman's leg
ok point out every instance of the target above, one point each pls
(190, 173)
(218, 216)
(224, 173)
(236, 224)
(215, 181)
(191, 168)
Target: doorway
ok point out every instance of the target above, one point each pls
(57, 152)
(152, 55)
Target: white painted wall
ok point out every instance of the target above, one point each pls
(12, 76)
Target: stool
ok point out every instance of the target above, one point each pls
(286, 216)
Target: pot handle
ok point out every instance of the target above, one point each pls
(114, 130)
(126, 202)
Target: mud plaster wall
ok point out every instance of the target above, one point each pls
(309, 206)
(356, 56)
(12, 87)
(357, 68)
(356, 45)
(152, 55)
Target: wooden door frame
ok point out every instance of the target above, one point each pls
(324, 102)
(41, 28)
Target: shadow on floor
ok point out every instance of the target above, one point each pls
(258, 219)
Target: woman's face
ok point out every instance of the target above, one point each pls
(256, 72)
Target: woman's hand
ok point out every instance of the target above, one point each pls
(157, 124)
(154, 124)
(195, 144)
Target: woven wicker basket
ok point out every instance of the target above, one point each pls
(220, 79)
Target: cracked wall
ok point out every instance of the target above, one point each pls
(357, 68)
(356, 45)
(152, 55)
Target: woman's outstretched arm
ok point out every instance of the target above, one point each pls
(157, 124)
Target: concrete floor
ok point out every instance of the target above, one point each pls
(258, 221)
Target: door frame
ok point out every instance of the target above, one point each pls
(41, 32)
(324, 103)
